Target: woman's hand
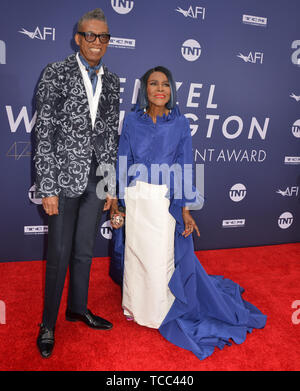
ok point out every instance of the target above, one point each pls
(114, 210)
(189, 223)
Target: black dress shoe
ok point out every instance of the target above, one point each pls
(45, 341)
(89, 319)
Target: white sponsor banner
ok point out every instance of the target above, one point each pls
(234, 223)
(35, 229)
(124, 43)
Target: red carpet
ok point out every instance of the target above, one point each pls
(270, 276)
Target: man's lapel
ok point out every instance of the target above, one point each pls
(103, 105)
(77, 87)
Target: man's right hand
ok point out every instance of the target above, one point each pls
(50, 205)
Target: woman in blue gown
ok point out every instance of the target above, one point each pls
(163, 284)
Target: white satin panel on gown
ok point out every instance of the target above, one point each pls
(149, 254)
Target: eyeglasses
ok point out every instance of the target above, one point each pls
(91, 37)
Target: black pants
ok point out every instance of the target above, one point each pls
(71, 238)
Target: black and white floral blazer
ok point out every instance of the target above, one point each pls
(64, 136)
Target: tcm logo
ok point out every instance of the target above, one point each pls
(125, 43)
(32, 196)
(195, 13)
(237, 192)
(43, 34)
(255, 20)
(254, 58)
(35, 229)
(2, 52)
(295, 57)
(106, 230)
(292, 160)
(285, 220)
(2, 312)
(122, 6)
(236, 223)
(296, 128)
(296, 314)
(21, 117)
(191, 50)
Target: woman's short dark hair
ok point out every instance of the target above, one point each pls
(142, 98)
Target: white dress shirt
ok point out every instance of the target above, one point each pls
(93, 99)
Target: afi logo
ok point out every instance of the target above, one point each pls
(296, 97)
(23, 115)
(253, 58)
(192, 13)
(237, 192)
(289, 191)
(46, 32)
(285, 220)
(295, 57)
(2, 52)
(122, 6)
(296, 128)
(191, 50)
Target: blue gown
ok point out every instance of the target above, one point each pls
(208, 310)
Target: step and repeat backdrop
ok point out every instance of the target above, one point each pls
(237, 69)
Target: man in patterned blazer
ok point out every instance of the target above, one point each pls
(76, 130)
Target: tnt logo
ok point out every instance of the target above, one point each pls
(32, 196)
(106, 230)
(237, 192)
(285, 220)
(296, 128)
(2, 52)
(43, 34)
(2, 312)
(191, 50)
(122, 6)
